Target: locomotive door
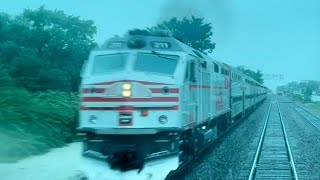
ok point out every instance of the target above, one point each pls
(194, 88)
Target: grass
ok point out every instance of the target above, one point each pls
(33, 123)
(315, 106)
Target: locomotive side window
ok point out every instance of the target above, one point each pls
(156, 63)
(187, 72)
(192, 71)
(104, 64)
(204, 64)
(216, 68)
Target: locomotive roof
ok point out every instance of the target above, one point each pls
(156, 43)
(162, 43)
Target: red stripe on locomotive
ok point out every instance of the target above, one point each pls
(128, 108)
(154, 99)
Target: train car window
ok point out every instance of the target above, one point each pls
(227, 72)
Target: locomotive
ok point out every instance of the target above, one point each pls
(151, 96)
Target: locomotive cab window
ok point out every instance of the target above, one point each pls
(104, 64)
(156, 63)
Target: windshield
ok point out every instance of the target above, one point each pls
(104, 64)
(156, 63)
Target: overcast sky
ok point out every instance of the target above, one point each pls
(275, 36)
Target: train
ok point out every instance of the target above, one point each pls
(148, 96)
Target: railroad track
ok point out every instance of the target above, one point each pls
(175, 174)
(273, 158)
(313, 119)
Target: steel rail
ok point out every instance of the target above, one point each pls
(225, 133)
(261, 141)
(293, 167)
(257, 154)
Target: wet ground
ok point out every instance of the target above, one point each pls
(58, 164)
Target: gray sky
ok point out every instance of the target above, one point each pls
(275, 36)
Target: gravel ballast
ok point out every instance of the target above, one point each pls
(306, 152)
(228, 158)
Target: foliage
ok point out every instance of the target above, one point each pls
(297, 97)
(254, 75)
(192, 31)
(41, 54)
(315, 106)
(44, 49)
(5, 79)
(32, 123)
(301, 91)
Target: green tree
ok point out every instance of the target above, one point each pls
(40, 50)
(256, 75)
(307, 88)
(193, 31)
(5, 79)
(44, 49)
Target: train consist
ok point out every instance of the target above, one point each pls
(146, 97)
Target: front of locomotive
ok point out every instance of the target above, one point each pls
(130, 101)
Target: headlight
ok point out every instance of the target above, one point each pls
(126, 90)
(126, 86)
(93, 119)
(126, 93)
(163, 119)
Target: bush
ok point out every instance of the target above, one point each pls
(32, 123)
(297, 97)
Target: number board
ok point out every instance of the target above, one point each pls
(160, 45)
(115, 44)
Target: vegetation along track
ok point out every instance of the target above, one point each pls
(273, 157)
